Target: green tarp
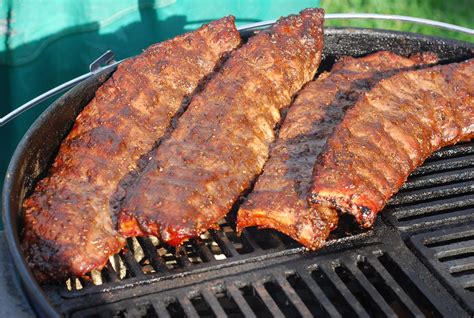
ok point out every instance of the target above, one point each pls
(44, 43)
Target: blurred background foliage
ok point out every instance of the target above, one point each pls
(460, 12)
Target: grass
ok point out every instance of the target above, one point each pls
(458, 12)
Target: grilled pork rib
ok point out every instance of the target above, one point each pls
(222, 141)
(389, 132)
(279, 198)
(68, 226)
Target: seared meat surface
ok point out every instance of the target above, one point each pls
(389, 132)
(68, 229)
(222, 142)
(279, 198)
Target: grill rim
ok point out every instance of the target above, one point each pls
(13, 193)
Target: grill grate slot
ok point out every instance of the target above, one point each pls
(342, 288)
(202, 306)
(227, 247)
(333, 294)
(265, 239)
(175, 310)
(213, 303)
(281, 298)
(408, 286)
(268, 300)
(307, 296)
(228, 304)
(384, 288)
(238, 298)
(255, 302)
(230, 242)
(211, 248)
(359, 292)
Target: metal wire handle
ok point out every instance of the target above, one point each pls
(373, 16)
(107, 57)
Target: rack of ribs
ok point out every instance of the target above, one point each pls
(279, 198)
(389, 132)
(68, 227)
(222, 141)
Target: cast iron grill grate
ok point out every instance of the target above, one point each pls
(450, 253)
(364, 283)
(440, 192)
(264, 273)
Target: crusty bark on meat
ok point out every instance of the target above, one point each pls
(68, 227)
(222, 141)
(391, 131)
(279, 198)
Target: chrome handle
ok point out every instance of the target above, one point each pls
(371, 16)
(108, 57)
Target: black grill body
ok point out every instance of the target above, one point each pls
(418, 260)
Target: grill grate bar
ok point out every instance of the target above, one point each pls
(319, 294)
(160, 309)
(445, 164)
(224, 244)
(433, 193)
(131, 264)
(433, 206)
(151, 254)
(213, 302)
(188, 307)
(456, 150)
(342, 288)
(293, 296)
(204, 251)
(394, 286)
(461, 265)
(110, 274)
(240, 301)
(438, 178)
(452, 249)
(183, 259)
(268, 300)
(370, 289)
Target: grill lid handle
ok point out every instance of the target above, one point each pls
(108, 60)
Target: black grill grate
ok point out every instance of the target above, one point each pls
(263, 273)
(365, 283)
(450, 252)
(439, 193)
